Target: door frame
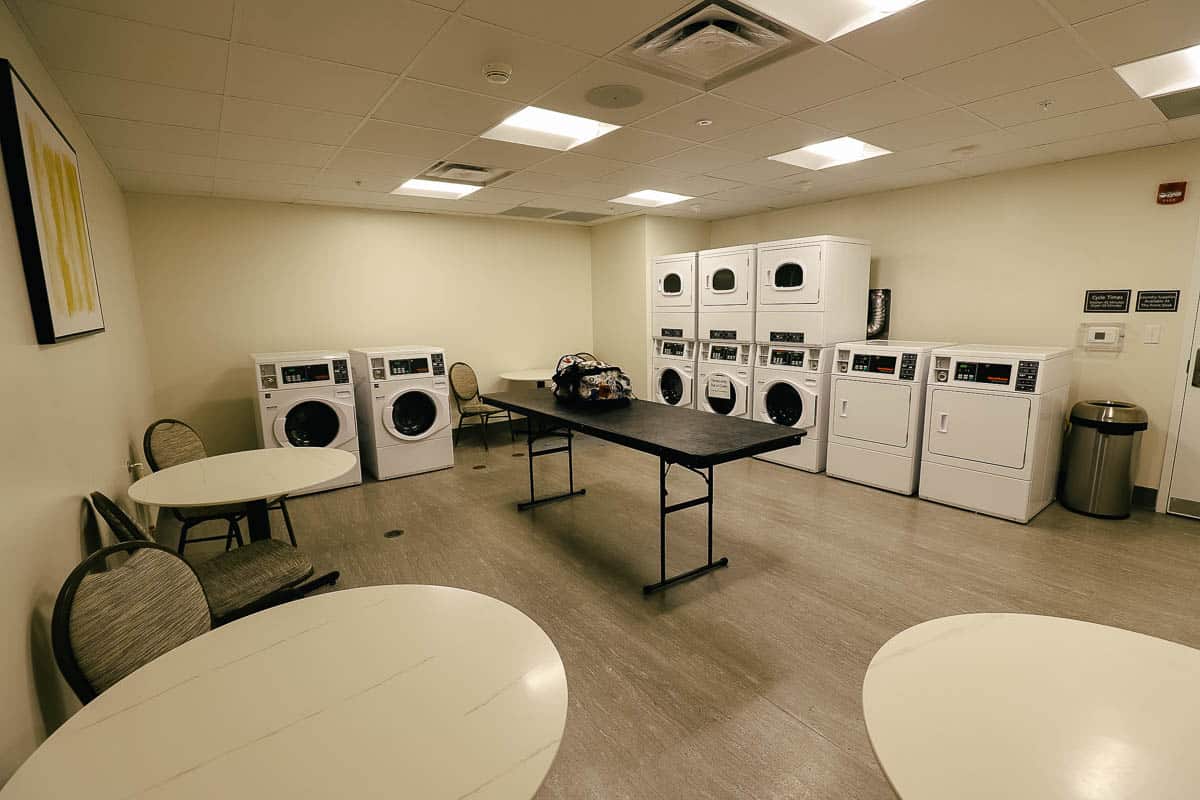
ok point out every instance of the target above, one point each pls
(1187, 347)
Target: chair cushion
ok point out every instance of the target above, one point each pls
(173, 443)
(242, 576)
(211, 512)
(480, 408)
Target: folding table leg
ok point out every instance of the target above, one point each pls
(534, 501)
(663, 510)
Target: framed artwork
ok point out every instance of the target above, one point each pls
(47, 201)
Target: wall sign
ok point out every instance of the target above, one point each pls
(1166, 300)
(1171, 193)
(1106, 301)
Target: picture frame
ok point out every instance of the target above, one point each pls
(42, 171)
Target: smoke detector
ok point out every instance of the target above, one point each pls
(498, 74)
(616, 95)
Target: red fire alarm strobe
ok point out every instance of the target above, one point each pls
(1171, 193)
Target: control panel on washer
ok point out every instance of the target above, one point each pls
(725, 353)
(675, 348)
(295, 374)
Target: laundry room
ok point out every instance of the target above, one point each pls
(356, 349)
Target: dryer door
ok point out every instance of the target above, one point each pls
(674, 283)
(789, 404)
(790, 275)
(872, 411)
(727, 394)
(315, 422)
(672, 386)
(988, 427)
(415, 413)
(725, 279)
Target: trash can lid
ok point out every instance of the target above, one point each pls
(1106, 413)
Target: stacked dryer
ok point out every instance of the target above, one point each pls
(724, 373)
(673, 330)
(810, 294)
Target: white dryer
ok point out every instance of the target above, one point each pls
(994, 420)
(675, 372)
(791, 388)
(878, 412)
(674, 310)
(306, 399)
(812, 291)
(724, 379)
(403, 409)
(726, 288)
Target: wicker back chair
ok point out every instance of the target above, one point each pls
(464, 384)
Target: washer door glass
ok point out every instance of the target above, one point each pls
(413, 413)
(670, 386)
(784, 404)
(722, 405)
(311, 424)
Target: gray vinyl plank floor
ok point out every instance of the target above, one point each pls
(745, 683)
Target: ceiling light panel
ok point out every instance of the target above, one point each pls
(541, 127)
(828, 19)
(443, 190)
(1165, 74)
(832, 153)
(650, 198)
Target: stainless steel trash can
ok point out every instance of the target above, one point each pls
(1101, 457)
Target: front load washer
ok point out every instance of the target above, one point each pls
(994, 421)
(403, 409)
(674, 310)
(877, 412)
(675, 372)
(306, 399)
(791, 388)
(726, 288)
(812, 291)
(724, 379)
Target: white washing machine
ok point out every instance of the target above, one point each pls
(877, 417)
(403, 409)
(812, 291)
(994, 421)
(306, 399)
(675, 372)
(724, 379)
(791, 388)
(674, 309)
(726, 289)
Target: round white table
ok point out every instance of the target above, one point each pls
(538, 376)
(1005, 706)
(391, 691)
(252, 477)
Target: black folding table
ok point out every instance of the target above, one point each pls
(695, 440)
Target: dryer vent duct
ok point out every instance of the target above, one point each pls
(879, 313)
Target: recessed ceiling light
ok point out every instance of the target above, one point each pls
(444, 190)
(1165, 74)
(829, 19)
(832, 153)
(541, 127)
(651, 198)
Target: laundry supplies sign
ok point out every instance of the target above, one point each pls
(1167, 300)
(1106, 301)
(719, 387)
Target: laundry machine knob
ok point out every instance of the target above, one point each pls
(943, 375)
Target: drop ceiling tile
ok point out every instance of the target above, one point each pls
(112, 132)
(698, 185)
(491, 153)
(568, 203)
(111, 97)
(939, 126)
(1093, 90)
(257, 190)
(903, 180)
(937, 32)
(602, 190)
(811, 78)
(102, 45)
(577, 165)
(756, 195)
(1111, 142)
(701, 159)
(893, 164)
(378, 34)
(883, 105)
(163, 183)
(357, 181)
(210, 18)
(457, 55)
(151, 161)
(406, 140)
(961, 148)
(1079, 10)
(698, 208)
(286, 122)
(1041, 59)
(448, 5)
(657, 93)
(537, 182)
(594, 27)
(1143, 30)
(631, 144)
(1185, 128)
(262, 171)
(257, 74)
(1121, 116)
(365, 162)
(643, 177)
(275, 151)
(345, 197)
(999, 162)
(725, 117)
(432, 106)
(762, 171)
(777, 136)
(502, 197)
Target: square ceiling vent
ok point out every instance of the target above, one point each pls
(1178, 105)
(465, 173)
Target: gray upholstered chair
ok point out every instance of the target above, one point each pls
(252, 577)
(107, 624)
(168, 442)
(465, 386)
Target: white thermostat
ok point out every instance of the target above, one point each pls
(1103, 337)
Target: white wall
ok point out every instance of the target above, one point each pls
(1005, 258)
(221, 279)
(70, 416)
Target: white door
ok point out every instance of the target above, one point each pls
(987, 427)
(789, 404)
(790, 275)
(673, 387)
(675, 282)
(315, 422)
(415, 414)
(725, 279)
(1183, 496)
(725, 393)
(872, 411)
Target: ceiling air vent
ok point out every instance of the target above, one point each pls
(712, 43)
(1180, 104)
(578, 216)
(531, 211)
(465, 173)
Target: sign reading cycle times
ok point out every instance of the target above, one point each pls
(1106, 301)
